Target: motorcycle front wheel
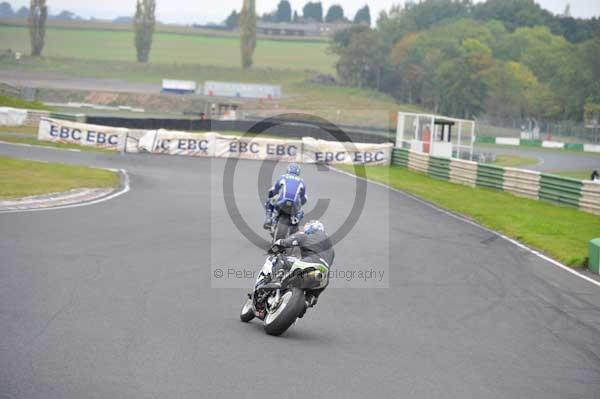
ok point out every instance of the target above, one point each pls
(290, 306)
(247, 312)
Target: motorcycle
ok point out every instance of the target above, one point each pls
(280, 294)
(284, 222)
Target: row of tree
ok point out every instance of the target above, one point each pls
(499, 58)
(144, 22)
(6, 11)
(311, 12)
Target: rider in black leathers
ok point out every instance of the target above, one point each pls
(315, 247)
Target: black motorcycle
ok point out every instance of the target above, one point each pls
(284, 222)
(283, 297)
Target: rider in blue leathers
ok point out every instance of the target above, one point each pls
(289, 194)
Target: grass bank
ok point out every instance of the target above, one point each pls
(561, 232)
(168, 47)
(21, 178)
(514, 160)
(6, 101)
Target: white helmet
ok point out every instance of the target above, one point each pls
(312, 226)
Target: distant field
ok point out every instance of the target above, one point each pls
(172, 48)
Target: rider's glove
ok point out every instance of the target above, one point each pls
(277, 246)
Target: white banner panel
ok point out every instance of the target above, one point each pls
(508, 141)
(59, 131)
(552, 144)
(591, 148)
(259, 148)
(132, 139)
(178, 143)
(333, 152)
(12, 116)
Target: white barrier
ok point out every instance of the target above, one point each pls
(334, 152)
(12, 116)
(508, 141)
(59, 131)
(591, 148)
(259, 148)
(213, 144)
(177, 143)
(553, 144)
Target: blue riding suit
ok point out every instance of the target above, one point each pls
(287, 194)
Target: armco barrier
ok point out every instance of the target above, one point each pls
(584, 195)
(485, 140)
(525, 183)
(439, 167)
(418, 161)
(574, 146)
(590, 197)
(560, 190)
(553, 144)
(400, 157)
(68, 117)
(530, 143)
(490, 176)
(591, 148)
(463, 172)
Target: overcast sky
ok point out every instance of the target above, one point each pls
(203, 11)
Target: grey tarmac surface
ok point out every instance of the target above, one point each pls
(550, 160)
(114, 300)
(52, 80)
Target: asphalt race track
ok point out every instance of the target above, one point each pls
(550, 160)
(118, 299)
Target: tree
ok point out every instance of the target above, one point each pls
(6, 10)
(23, 12)
(296, 17)
(363, 16)
(362, 59)
(143, 26)
(313, 11)
(38, 14)
(513, 92)
(461, 81)
(233, 20)
(248, 32)
(284, 12)
(335, 14)
(65, 16)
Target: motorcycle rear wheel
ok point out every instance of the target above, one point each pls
(280, 319)
(282, 230)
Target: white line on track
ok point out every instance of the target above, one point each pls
(463, 219)
(124, 189)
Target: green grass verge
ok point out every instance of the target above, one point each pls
(172, 48)
(30, 130)
(561, 232)
(6, 101)
(21, 178)
(513, 160)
